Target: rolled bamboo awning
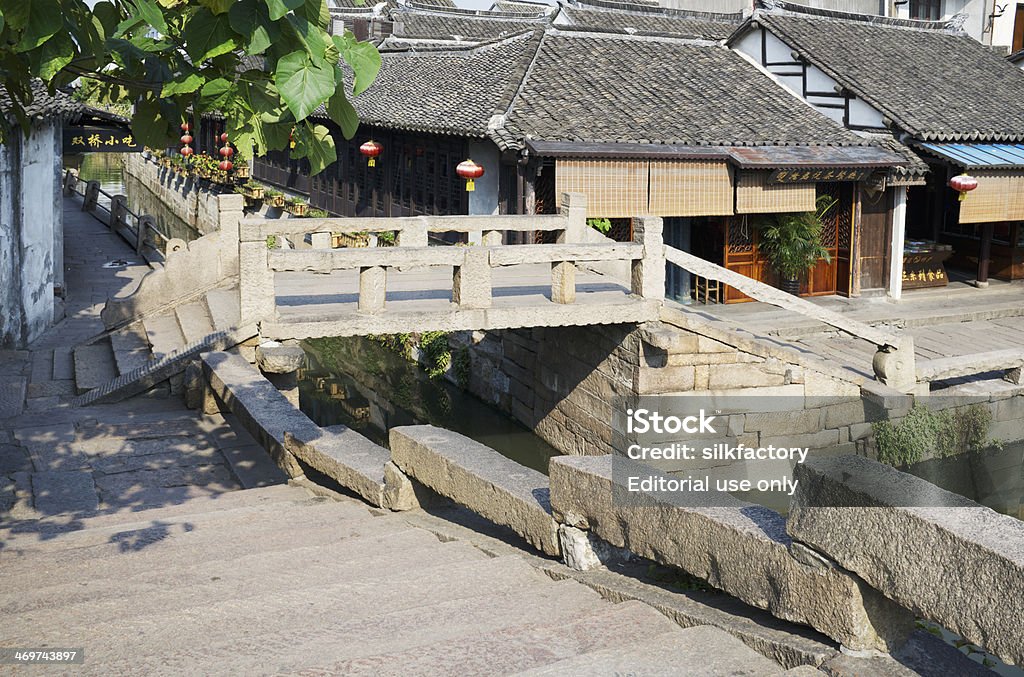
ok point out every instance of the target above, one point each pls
(690, 188)
(754, 195)
(998, 197)
(614, 188)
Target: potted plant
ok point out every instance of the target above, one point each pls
(253, 190)
(297, 206)
(275, 198)
(241, 169)
(791, 242)
(317, 214)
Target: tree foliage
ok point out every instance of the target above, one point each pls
(167, 56)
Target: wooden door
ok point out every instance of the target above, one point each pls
(742, 255)
(837, 237)
(875, 234)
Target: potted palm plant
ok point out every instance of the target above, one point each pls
(791, 242)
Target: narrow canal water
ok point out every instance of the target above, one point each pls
(367, 387)
(993, 477)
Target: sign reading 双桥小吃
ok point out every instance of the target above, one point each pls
(814, 175)
(99, 140)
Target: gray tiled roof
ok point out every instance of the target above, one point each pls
(415, 25)
(663, 23)
(915, 168)
(43, 103)
(931, 83)
(512, 6)
(604, 88)
(448, 91)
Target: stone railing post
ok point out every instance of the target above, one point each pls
(563, 273)
(471, 285)
(256, 296)
(321, 240)
(70, 182)
(574, 209)
(117, 212)
(413, 235)
(373, 288)
(648, 279)
(92, 196)
(146, 222)
(491, 238)
(230, 212)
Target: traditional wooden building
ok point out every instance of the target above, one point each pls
(930, 88)
(675, 125)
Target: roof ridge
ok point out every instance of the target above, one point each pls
(782, 8)
(669, 12)
(424, 45)
(499, 131)
(624, 34)
(461, 12)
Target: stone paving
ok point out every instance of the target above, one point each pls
(144, 452)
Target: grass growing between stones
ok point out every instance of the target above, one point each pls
(923, 431)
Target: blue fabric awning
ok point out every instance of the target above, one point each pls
(979, 155)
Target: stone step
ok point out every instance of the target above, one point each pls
(162, 547)
(194, 321)
(139, 601)
(333, 623)
(181, 581)
(534, 643)
(94, 366)
(164, 334)
(52, 526)
(702, 650)
(222, 306)
(131, 347)
(26, 543)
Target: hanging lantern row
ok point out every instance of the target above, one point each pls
(226, 152)
(963, 184)
(470, 171)
(371, 149)
(186, 140)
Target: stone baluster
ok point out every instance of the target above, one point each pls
(92, 196)
(321, 240)
(563, 273)
(255, 282)
(146, 223)
(413, 235)
(491, 238)
(373, 288)
(471, 286)
(648, 273)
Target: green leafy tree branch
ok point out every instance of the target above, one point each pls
(167, 56)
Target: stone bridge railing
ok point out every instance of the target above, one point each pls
(894, 363)
(472, 266)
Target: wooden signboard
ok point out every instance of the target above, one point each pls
(816, 175)
(99, 140)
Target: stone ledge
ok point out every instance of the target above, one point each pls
(479, 478)
(887, 526)
(742, 549)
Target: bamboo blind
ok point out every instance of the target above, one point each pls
(614, 188)
(754, 195)
(998, 197)
(680, 188)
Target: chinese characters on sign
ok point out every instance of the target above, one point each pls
(814, 175)
(99, 140)
(925, 269)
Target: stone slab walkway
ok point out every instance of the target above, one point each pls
(145, 452)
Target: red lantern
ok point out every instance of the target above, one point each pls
(186, 139)
(470, 171)
(227, 151)
(224, 137)
(186, 151)
(225, 165)
(185, 127)
(963, 184)
(371, 149)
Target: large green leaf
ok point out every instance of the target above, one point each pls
(250, 18)
(316, 12)
(36, 19)
(151, 14)
(313, 39)
(303, 84)
(214, 92)
(340, 110)
(315, 143)
(270, 135)
(208, 36)
(278, 8)
(363, 57)
(53, 55)
(108, 17)
(183, 84)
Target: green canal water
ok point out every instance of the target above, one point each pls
(371, 389)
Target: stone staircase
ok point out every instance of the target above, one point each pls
(156, 348)
(277, 581)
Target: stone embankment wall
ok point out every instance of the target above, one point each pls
(566, 382)
(157, 190)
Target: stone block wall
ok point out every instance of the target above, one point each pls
(176, 201)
